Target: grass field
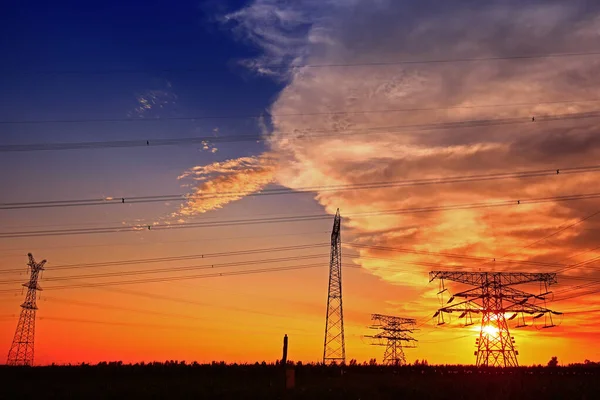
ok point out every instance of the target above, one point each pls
(312, 382)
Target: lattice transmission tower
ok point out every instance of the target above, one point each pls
(21, 350)
(334, 349)
(394, 334)
(498, 301)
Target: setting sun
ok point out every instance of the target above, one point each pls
(490, 330)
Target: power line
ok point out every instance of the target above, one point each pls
(117, 323)
(446, 340)
(581, 253)
(286, 248)
(515, 57)
(121, 308)
(133, 221)
(581, 311)
(450, 255)
(232, 273)
(449, 60)
(178, 258)
(297, 218)
(592, 283)
(590, 292)
(576, 278)
(402, 262)
(176, 269)
(300, 190)
(577, 287)
(453, 255)
(284, 115)
(157, 296)
(213, 266)
(579, 264)
(210, 267)
(307, 134)
(134, 310)
(138, 228)
(146, 325)
(582, 264)
(183, 277)
(556, 232)
(166, 242)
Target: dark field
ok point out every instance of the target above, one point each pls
(312, 382)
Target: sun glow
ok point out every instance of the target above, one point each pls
(490, 330)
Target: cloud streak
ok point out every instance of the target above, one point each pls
(220, 183)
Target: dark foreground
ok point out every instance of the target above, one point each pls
(311, 382)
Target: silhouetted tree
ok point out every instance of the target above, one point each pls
(553, 362)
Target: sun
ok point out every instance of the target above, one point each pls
(490, 330)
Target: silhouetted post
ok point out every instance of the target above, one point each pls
(285, 348)
(290, 373)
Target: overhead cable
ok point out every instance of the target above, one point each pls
(297, 134)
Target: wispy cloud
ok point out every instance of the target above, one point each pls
(154, 103)
(283, 31)
(220, 183)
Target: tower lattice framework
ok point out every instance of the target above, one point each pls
(334, 348)
(494, 296)
(21, 349)
(395, 334)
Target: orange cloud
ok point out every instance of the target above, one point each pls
(220, 183)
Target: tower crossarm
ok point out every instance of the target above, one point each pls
(392, 320)
(392, 329)
(470, 293)
(510, 293)
(463, 306)
(498, 278)
(529, 309)
(399, 336)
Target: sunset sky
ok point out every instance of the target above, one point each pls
(338, 94)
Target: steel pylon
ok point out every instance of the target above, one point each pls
(334, 348)
(494, 296)
(394, 334)
(22, 347)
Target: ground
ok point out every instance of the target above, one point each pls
(175, 380)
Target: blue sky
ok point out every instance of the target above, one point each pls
(108, 38)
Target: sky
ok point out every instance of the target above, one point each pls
(337, 93)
